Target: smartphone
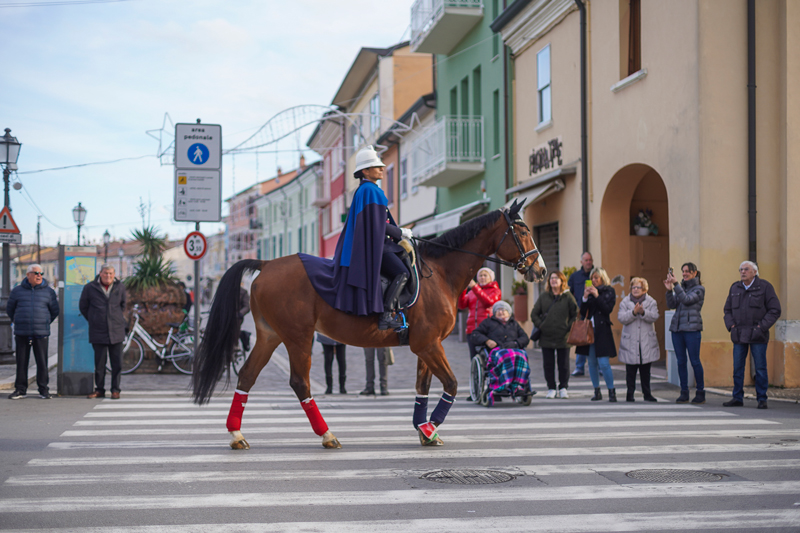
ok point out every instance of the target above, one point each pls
(670, 271)
(587, 283)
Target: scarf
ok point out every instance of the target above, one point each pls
(639, 299)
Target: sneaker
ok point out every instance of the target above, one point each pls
(562, 393)
(550, 394)
(733, 403)
(577, 373)
(16, 395)
(45, 396)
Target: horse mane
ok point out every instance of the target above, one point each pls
(459, 236)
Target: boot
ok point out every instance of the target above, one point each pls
(684, 397)
(629, 396)
(341, 386)
(699, 397)
(329, 381)
(597, 395)
(612, 395)
(384, 390)
(388, 319)
(369, 390)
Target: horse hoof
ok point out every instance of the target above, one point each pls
(435, 441)
(238, 442)
(330, 441)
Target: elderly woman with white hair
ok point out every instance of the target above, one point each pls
(478, 298)
(638, 346)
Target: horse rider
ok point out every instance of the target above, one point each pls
(368, 248)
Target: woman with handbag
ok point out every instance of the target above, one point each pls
(552, 316)
(638, 347)
(597, 304)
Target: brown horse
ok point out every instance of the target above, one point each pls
(288, 310)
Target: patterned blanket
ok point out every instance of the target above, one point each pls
(507, 370)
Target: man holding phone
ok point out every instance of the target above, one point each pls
(578, 281)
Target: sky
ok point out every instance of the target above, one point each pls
(84, 80)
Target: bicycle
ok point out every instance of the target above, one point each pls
(181, 347)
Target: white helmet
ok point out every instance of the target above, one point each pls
(367, 158)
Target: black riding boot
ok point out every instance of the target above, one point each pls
(387, 320)
(329, 382)
(597, 395)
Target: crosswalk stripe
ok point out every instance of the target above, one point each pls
(415, 453)
(451, 438)
(407, 405)
(396, 497)
(272, 476)
(482, 425)
(575, 522)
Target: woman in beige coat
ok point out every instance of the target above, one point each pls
(638, 347)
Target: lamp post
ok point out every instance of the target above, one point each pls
(121, 254)
(106, 240)
(9, 152)
(79, 215)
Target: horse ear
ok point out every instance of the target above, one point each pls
(513, 210)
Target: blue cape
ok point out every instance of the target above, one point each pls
(351, 282)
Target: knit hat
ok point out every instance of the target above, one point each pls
(501, 305)
(489, 271)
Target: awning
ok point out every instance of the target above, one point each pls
(449, 219)
(540, 188)
(539, 193)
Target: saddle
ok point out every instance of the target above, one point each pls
(410, 293)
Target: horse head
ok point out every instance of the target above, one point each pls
(521, 250)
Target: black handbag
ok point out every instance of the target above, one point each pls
(536, 334)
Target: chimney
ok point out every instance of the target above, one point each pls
(302, 162)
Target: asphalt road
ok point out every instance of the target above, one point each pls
(152, 461)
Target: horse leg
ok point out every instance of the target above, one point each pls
(436, 363)
(421, 404)
(300, 364)
(266, 342)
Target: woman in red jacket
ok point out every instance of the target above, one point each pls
(479, 298)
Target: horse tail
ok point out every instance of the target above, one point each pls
(215, 351)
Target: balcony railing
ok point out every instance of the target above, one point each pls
(437, 26)
(448, 152)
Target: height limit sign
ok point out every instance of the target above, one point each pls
(195, 245)
(198, 183)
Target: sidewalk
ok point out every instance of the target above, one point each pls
(8, 373)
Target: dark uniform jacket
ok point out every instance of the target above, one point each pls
(506, 335)
(32, 309)
(753, 311)
(600, 309)
(104, 313)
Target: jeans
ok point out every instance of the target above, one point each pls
(683, 342)
(758, 352)
(39, 345)
(114, 353)
(604, 365)
(549, 358)
(580, 362)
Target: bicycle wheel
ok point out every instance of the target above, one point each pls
(131, 357)
(239, 357)
(182, 353)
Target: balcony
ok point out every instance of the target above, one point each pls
(437, 26)
(448, 152)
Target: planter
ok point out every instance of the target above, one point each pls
(642, 232)
(521, 307)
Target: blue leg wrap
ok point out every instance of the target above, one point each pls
(442, 408)
(420, 411)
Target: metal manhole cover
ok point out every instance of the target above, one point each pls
(467, 477)
(674, 476)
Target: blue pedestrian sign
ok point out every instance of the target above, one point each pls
(197, 154)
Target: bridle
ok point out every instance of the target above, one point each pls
(523, 255)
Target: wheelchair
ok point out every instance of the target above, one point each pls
(479, 384)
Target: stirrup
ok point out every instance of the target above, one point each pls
(387, 321)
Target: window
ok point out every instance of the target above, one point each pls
(465, 96)
(454, 101)
(289, 243)
(543, 84)
(404, 178)
(632, 46)
(355, 135)
(496, 36)
(496, 122)
(476, 92)
(375, 113)
(280, 245)
(299, 239)
(390, 183)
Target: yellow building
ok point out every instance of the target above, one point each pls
(666, 100)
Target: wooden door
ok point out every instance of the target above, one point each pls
(650, 260)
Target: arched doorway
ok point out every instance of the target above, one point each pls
(627, 255)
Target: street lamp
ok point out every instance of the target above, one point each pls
(79, 215)
(121, 254)
(106, 240)
(9, 152)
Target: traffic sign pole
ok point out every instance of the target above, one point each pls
(196, 305)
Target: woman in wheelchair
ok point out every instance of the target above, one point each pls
(507, 367)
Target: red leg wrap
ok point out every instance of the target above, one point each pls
(237, 409)
(312, 412)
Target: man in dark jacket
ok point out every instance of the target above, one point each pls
(32, 306)
(751, 309)
(102, 304)
(576, 282)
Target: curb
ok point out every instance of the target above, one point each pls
(723, 392)
(7, 383)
